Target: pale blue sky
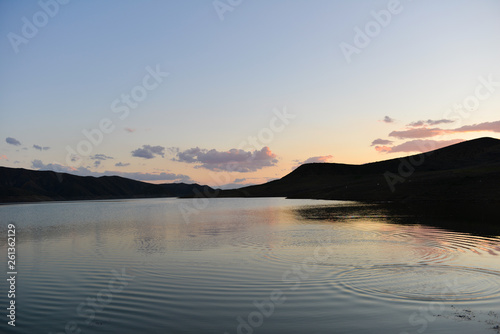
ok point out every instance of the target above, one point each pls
(227, 76)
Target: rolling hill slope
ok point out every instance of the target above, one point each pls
(466, 171)
(23, 185)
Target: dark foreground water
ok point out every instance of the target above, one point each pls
(244, 266)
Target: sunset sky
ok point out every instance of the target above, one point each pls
(229, 92)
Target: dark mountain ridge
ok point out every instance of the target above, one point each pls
(464, 174)
(23, 185)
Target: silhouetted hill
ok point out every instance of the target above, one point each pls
(23, 185)
(464, 174)
(462, 179)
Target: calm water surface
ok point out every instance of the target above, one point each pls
(245, 266)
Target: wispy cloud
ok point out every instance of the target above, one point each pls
(12, 141)
(418, 145)
(430, 122)
(41, 148)
(381, 142)
(129, 130)
(149, 152)
(121, 164)
(3, 157)
(418, 133)
(38, 164)
(235, 185)
(239, 180)
(173, 150)
(432, 132)
(153, 177)
(486, 126)
(321, 158)
(82, 171)
(100, 157)
(236, 160)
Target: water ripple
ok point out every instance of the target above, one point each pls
(421, 282)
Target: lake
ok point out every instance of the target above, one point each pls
(263, 265)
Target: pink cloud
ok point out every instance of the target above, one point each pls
(385, 149)
(3, 157)
(487, 126)
(425, 132)
(418, 145)
(418, 133)
(430, 122)
(321, 158)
